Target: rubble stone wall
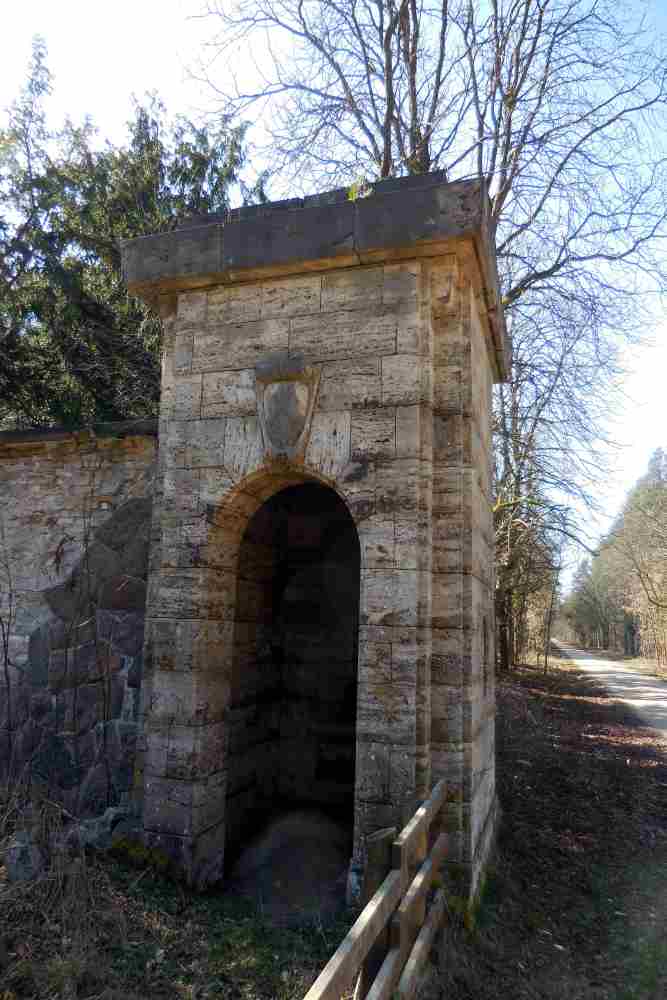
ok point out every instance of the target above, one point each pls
(56, 488)
(76, 512)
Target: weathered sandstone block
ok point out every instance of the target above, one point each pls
(321, 572)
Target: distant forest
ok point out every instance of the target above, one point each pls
(619, 597)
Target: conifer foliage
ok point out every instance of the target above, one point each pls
(75, 348)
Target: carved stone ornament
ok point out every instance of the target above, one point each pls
(286, 395)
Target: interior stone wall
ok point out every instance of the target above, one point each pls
(256, 684)
(294, 673)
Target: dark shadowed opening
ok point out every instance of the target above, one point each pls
(294, 678)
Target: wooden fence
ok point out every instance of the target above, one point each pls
(387, 947)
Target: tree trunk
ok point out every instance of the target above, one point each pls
(501, 624)
(511, 628)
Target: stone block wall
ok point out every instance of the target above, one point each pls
(463, 694)
(351, 345)
(344, 349)
(368, 441)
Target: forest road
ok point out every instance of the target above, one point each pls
(646, 695)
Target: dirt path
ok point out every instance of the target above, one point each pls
(647, 696)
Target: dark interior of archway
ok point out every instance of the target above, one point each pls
(294, 677)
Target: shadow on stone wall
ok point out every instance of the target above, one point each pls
(70, 723)
(292, 710)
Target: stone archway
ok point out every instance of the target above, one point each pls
(354, 344)
(293, 691)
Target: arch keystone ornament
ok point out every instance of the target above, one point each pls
(286, 394)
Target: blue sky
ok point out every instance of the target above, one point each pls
(100, 54)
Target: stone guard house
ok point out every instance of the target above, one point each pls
(319, 623)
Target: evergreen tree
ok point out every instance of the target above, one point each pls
(76, 348)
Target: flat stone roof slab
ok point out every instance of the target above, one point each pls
(398, 218)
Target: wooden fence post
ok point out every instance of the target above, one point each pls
(387, 946)
(378, 866)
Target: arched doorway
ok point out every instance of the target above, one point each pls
(292, 709)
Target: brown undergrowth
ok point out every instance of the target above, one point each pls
(116, 928)
(575, 904)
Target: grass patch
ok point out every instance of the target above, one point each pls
(121, 933)
(217, 946)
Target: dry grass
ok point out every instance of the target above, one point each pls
(54, 928)
(95, 928)
(575, 905)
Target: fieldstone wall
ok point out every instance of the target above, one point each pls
(56, 488)
(76, 510)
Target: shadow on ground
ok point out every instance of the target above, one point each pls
(576, 903)
(575, 906)
(295, 869)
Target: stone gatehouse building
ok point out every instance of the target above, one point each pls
(318, 574)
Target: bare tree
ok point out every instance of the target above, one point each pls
(558, 107)
(556, 104)
(548, 423)
(641, 536)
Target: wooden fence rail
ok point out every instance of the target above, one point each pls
(387, 965)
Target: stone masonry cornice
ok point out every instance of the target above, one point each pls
(399, 219)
